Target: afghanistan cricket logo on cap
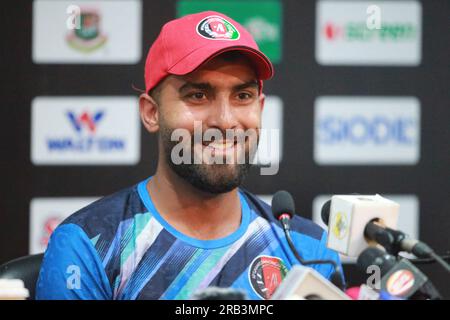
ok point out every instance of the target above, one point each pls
(217, 28)
(87, 37)
(265, 275)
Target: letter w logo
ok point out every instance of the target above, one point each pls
(85, 120)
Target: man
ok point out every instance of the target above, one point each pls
(189, 226)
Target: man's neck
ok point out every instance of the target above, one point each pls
(193, 212)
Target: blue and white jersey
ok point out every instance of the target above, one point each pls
(120, 247)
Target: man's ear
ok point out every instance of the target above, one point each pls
(262, 100)
(149, 111)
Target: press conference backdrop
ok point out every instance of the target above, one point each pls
(362, 105)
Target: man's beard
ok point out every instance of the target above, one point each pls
(211, 178)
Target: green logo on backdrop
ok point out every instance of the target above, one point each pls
(358, 31)
(262, 18)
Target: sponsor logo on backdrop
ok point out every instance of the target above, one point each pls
(87, 31)
(262, 19)
(344, 35)
(88, 37)
(89, 121)
(263, 30)
(82, 130)
(46, 214)
(408, 219)
(85, 126)
(49, 226)
(366, 130)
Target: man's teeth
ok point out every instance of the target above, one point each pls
(221, 144)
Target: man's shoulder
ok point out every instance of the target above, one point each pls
(106, 214)
(307, 227)
(298, 224)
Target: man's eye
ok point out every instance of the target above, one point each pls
(197, 95)
(244, 96)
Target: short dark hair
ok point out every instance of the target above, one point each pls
(155, 92)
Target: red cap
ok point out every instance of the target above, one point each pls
(185, 43)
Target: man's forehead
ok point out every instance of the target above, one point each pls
(236, 65)
(229, 76)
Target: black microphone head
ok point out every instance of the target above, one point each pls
(326, 209)
(326, 212)
(282, 202)
(374, 256)
(216, 293)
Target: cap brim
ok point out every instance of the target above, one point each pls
(198, 57)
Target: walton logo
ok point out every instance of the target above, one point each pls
(85, 119)
(87, 139)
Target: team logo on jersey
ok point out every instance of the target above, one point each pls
(266, 274)
(217, 28)
(88, 37)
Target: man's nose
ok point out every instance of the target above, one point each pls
(222, 115)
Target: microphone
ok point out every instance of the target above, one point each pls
(217, 293)
(399, 278)
(283, 208)
(362, 292)
(347, 217)
(303, 283)
(368, 214)
(365, 292)
(395, 241)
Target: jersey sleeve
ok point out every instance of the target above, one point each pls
(72, 269)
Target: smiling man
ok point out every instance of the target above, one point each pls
(189, 226)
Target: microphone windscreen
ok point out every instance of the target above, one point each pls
(217, 293)
(374, 256)
(326, 212)
(282, 202)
